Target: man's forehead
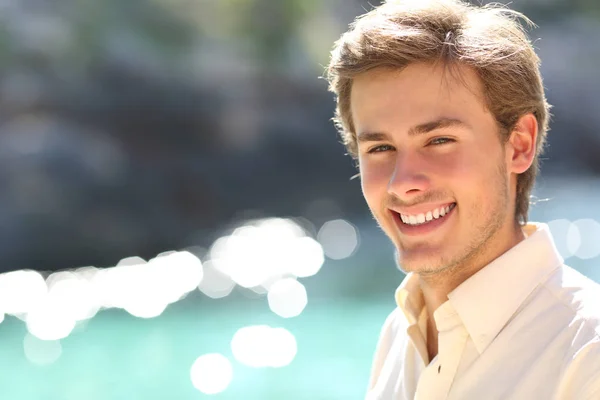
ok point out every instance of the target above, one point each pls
(418, 88)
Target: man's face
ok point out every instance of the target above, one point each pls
(432, 165)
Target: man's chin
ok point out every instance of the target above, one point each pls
(422, 266)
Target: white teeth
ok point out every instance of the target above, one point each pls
(429, 216)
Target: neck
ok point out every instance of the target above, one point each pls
(436, 287)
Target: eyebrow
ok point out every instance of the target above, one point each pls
(420, 129)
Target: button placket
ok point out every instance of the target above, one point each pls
(436, 382)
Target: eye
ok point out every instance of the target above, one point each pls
(380, 149)
(440, 140)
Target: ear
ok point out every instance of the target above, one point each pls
(521, 146)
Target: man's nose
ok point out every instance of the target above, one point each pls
(409, 177)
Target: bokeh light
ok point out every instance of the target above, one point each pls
(146, 289)
(283, 346)
(211, 373)
(41, 352)
(262, 346)
(144, 295)
(311, 261)
(20, 291)
(181, 272)
(215, 284)
(263, 251)
(573, 239)
(133, 260)
(588, 234)
(165, 253)
(263, 256)
(49, 320)
(565, 236)
(339, 239)
(74, 294)
(287, 298)
(111, 286)
(70, 298)
(51, 308)
(250, 345)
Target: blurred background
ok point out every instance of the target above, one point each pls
(177, 218)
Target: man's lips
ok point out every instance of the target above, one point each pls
(421, 228)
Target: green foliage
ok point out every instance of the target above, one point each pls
(269, 26)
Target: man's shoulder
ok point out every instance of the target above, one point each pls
(579, 294)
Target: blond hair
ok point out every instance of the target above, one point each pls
(489, 39)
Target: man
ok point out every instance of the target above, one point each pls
(443, 106)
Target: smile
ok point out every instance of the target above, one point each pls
(424, 223)
(429, 216)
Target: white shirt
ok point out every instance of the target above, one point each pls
(524, 327)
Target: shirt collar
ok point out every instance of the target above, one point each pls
(486, 301)
(409, 298)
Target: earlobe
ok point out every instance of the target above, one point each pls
(522, 143)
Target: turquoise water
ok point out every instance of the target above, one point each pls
(117, 356)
